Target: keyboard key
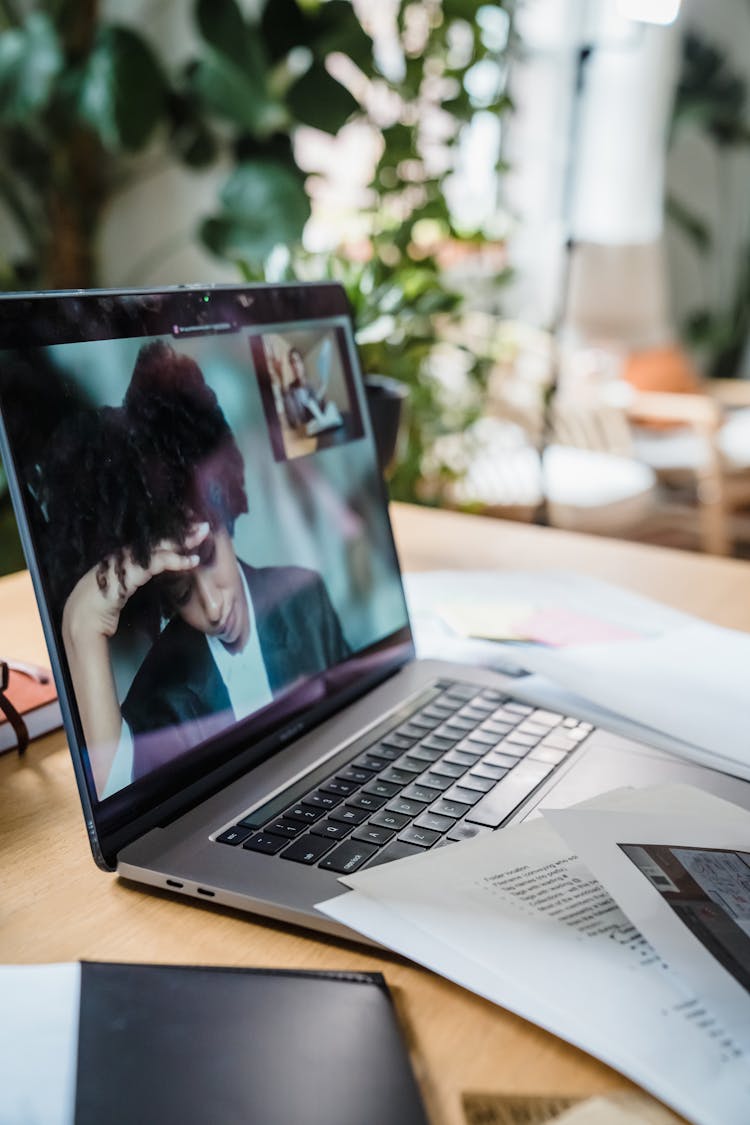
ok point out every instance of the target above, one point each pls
(286, 828)
(474, 781)
(570, 722)
(381, 788)
(308, 814)
(530, 727)
(422, 753)
(454, 809)
(426, 722)
(434, 821)
(498, 729)
(422, 837)
(262, 842)
(506, 760)
(395, 850)
(307, 850)
(494, 696)
(397, 741)
(234, 835)
(439, 741)
(484, 737)
(559, 741)
(457, 724)
(369, 762)
(347, 857)
(486, 769)
(462, 757)
(547, 754)
(466, 832)
(347, 815)
(411, 765)
(517, 708)
(478, 749)
(435, 781)
(373, 834)
(320, 800)
(509, 793)
(386, 752)
(388, 819)
(330, 829)
(366, 801)
(420, 792)
(464, 796)
(437, 711)
(398, 776)
(462, 691)
(340, 786)
(448, 769)
(547, 718)
(355, 773)
(406, 806)
(579, 733)
(517, 738)
(407, 730)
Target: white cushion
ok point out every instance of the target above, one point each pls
(683, 449)
(588, 490)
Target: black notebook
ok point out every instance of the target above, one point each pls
(169, 1044)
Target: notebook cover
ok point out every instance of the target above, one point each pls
(36, 701)
(163, 1044)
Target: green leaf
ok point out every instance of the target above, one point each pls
(283, 26)
(238, 94)
(123, 92)
(339, 29)
(222, 25)
(30, 61)
(317, 99)
(264, 204)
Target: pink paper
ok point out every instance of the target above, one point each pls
(564, 627)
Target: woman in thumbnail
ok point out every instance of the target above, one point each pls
(142, 505)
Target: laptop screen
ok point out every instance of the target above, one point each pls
(205, 522)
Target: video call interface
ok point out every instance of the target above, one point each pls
(209, 522)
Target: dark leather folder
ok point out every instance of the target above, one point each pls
(192, 1046)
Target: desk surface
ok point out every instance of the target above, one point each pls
(55, 905)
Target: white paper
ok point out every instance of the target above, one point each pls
(691, 682)
(517, 918)
(725, 878)
(39, 1008)
(680, 685)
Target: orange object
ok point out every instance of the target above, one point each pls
(666, 369)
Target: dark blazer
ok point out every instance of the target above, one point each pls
(178, 699)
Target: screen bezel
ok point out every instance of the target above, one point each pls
(39, 320)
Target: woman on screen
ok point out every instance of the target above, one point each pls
(141, 503)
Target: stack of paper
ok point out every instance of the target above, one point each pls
(648, 671)
(520, 917)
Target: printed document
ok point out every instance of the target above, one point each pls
(684, 881)
(517, 917)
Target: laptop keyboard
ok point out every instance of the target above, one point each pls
(458, 765)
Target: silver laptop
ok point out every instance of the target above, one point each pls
(195, 480)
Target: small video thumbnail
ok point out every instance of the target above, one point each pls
(307, 388)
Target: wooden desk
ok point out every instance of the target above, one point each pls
(55, 905)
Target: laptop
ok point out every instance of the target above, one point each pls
(195, 479)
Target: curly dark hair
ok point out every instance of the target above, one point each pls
(130, 476)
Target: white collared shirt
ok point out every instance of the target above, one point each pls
(244, 676)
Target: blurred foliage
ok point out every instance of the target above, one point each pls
(408, 311)
(82, 94)
(713, 98)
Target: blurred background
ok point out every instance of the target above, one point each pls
(540, 210)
